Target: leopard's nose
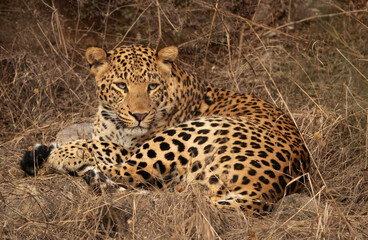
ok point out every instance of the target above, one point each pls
(139, 116)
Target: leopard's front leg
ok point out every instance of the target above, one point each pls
(77, 158)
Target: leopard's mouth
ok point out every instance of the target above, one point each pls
(123, 121)
(137, 128)
(133, 126)
(130, 124)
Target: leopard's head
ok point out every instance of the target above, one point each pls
(133, 82)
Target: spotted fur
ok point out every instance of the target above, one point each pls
(158, 125)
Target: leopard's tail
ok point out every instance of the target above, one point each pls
(32, 160)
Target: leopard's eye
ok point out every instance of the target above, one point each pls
(122, 86)
(152, 86)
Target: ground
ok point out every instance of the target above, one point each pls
(308, 57)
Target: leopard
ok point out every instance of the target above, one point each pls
(158, 126)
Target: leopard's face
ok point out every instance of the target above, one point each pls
(132, 86)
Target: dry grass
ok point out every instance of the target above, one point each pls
(308, 57)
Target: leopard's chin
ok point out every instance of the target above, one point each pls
(136, 131)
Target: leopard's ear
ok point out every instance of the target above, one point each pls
(166, 57)
(168, 54)
(97, 59)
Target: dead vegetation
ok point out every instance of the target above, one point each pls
(308, 57)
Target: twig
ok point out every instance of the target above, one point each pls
(159, 24)
(361, 74)
(131, 26)
(106, 20)
(319, 16)
(168, 20)
(250, 22)
(208, 40)
(231, 72)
